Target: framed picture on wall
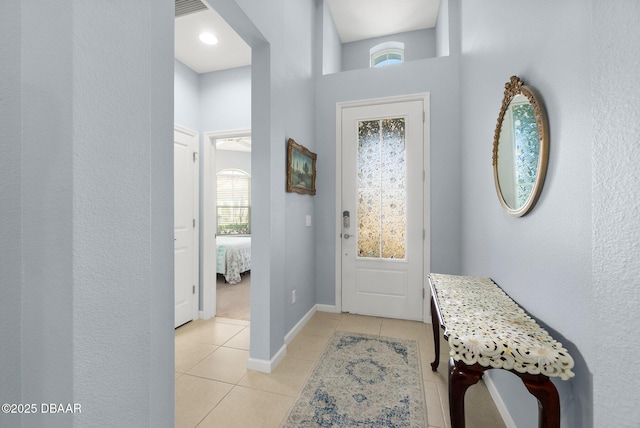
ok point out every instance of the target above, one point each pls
(301, 169)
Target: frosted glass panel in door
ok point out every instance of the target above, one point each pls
(381, 190)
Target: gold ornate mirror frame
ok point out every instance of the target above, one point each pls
(533, 188)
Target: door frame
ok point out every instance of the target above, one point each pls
(424, 97)
(208, 213)
(196, 213)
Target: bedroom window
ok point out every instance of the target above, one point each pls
(233, 206)
(387, 53)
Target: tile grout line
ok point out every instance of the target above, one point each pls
(350, 323)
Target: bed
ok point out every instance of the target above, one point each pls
(233, 257)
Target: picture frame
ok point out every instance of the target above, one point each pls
(301, 169)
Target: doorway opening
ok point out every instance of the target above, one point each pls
(201, 343)
(227, 220)
(212, 90)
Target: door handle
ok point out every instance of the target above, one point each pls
(346, 236)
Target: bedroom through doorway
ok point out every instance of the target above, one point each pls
(228, 211)
(213, 92)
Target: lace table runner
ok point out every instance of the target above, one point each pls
(487, 327)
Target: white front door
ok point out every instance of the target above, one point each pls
(382, 206)
(185, 164)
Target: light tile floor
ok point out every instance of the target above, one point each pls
(215, 389)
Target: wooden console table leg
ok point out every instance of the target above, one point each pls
(461, 377)
(548, 402)
(435, 325)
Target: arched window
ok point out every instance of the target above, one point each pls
(387, 53)
(233, 207)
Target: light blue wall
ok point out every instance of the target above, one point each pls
(328, 41)
(448, 29)
(47, 177)
(88, 287)
(225, 99)
(186, 102)
(282, 107)
(215, 101)
(420, 44)
(11, 206)
(442, 29)
(438, 77)
(615, 204)
(550, 260)
(299, 124)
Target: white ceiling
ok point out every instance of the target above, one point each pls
(364, 19)
(355, 20)
(230, 52)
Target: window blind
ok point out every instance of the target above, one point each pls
(233, 202)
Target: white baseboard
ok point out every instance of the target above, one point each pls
(300, 325)
(328, 308)
(497, 399)
(202, 315)
(267, 366)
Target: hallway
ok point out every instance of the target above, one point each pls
(215, 389)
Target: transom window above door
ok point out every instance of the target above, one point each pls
(387, 53)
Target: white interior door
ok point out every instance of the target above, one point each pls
(382, 204)
(185, 165)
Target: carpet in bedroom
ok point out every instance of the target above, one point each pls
(232, 301)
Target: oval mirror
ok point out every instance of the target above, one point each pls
(520, 148)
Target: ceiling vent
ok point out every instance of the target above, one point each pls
(185, 7)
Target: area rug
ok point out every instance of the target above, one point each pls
(363, 381)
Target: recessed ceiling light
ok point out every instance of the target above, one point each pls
(208, 38)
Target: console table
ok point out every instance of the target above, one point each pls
(486, 330)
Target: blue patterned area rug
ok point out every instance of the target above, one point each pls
(363, 381)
